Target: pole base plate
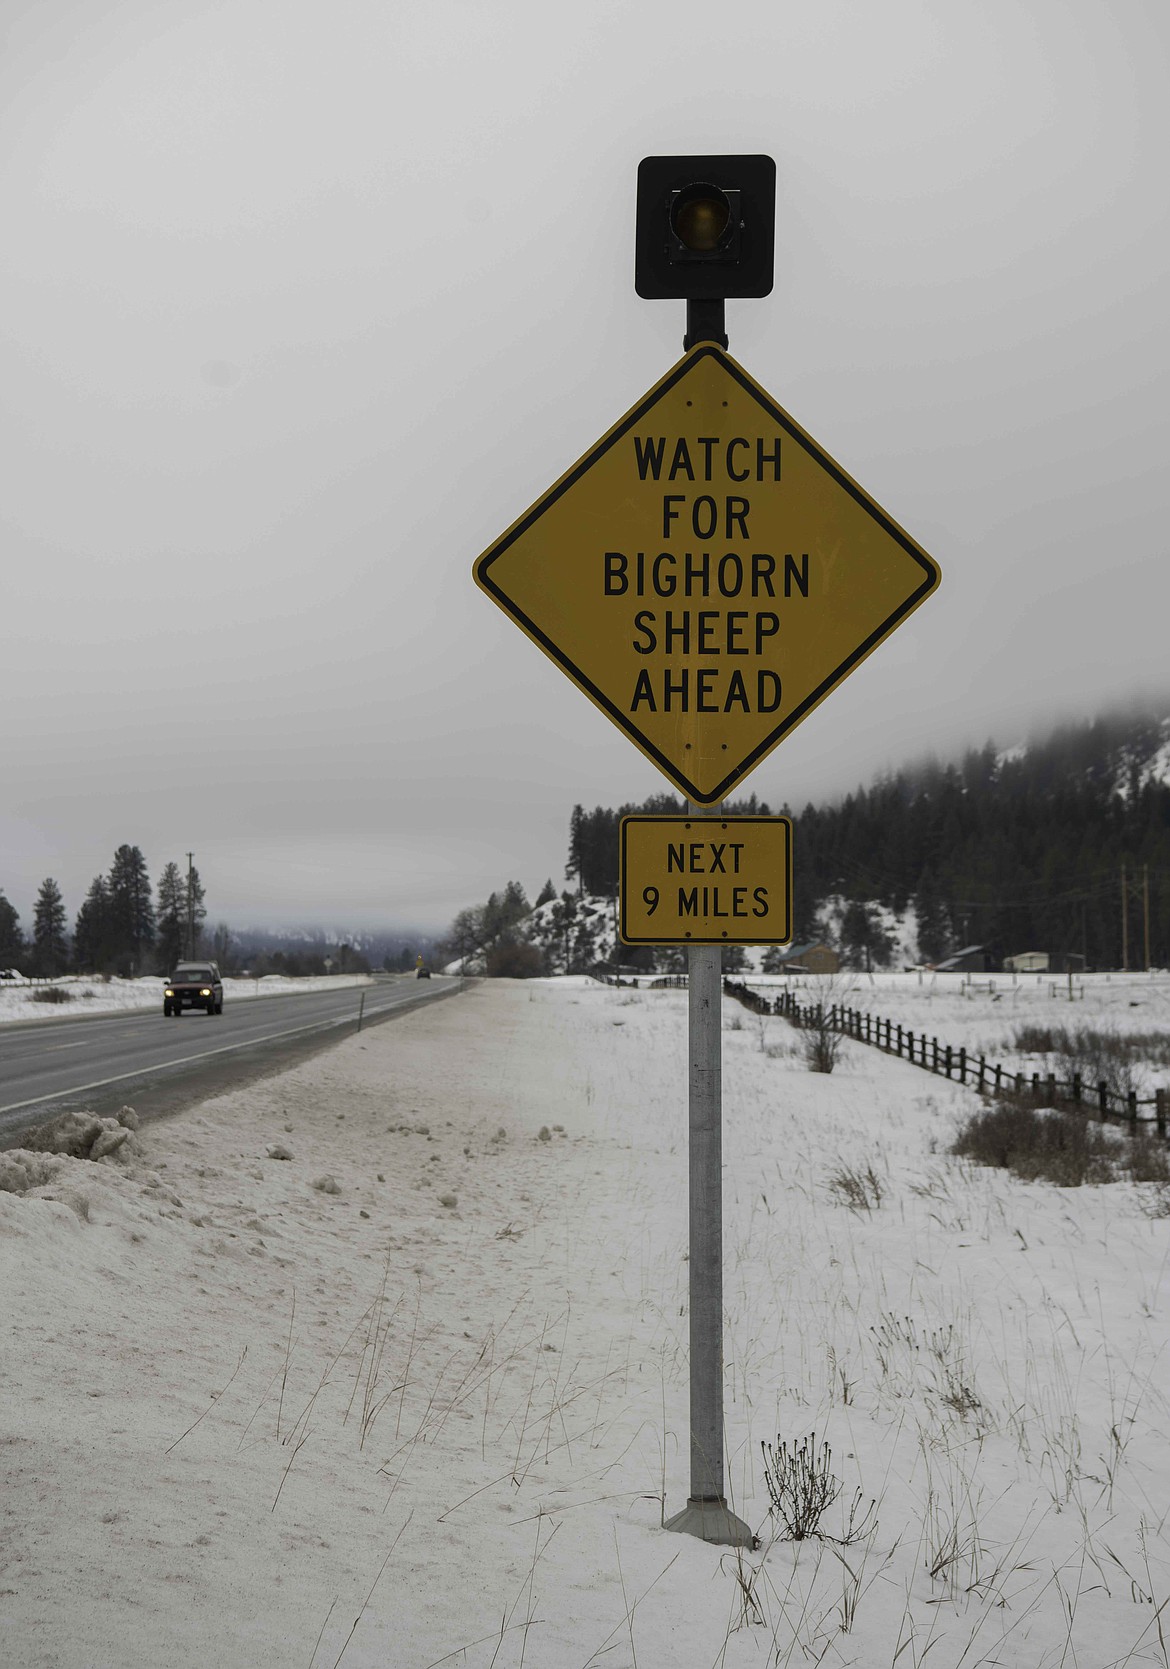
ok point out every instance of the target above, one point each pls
(711, 1520)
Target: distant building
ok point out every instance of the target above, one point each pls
(1027, 962)
(814, 958)
(972, 959)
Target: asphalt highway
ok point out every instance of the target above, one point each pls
(159, 1065)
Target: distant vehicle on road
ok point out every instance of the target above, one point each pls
(193, 985)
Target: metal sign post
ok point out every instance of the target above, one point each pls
(706, 1513)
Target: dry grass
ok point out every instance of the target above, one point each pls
(859, 1188)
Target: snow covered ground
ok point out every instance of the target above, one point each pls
(93, 995)
(985, 1013)
(416, 1394)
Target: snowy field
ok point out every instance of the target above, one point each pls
(383, 1363)
(93, 995)
(984, 1013)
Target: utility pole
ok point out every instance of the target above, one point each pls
(1124, 921)
(1130, 889)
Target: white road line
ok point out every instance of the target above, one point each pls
(205, 1054)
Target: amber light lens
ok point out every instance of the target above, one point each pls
(701, 218)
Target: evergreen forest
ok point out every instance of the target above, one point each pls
(1062, 845)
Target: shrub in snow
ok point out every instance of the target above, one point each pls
(1042, 1145)
(327, 1185)
(802, 1487)
(801, 1484)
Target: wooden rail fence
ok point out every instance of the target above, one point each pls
(1098, 1100)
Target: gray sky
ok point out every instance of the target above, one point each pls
(304, 304)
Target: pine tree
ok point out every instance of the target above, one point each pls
(575, 867)
(196, 911)
(91, 931)
(515, 905)
(50, 945)
(12, 946)
(172, 918)
(546, 894)
(131, 911)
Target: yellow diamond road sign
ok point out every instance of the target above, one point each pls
(707, 574)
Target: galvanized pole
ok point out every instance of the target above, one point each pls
(706, 1513)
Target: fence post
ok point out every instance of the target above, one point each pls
(899, 1042)
(947, 1060)
(1160, 1111)
(963, 1065)
(1131, 1109)
(998, 1076)
(1035, 1087)
(1076, 1088)
(1103, 1098)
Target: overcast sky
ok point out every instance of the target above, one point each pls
(303, 304)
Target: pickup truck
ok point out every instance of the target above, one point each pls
(193, 985)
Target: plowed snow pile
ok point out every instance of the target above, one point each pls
(384, 1362)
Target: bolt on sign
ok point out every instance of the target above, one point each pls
(705, 880)
(706, 574)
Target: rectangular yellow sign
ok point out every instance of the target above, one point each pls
(706, 880)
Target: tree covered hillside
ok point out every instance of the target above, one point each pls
(1030, 849)
(1033, 849)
